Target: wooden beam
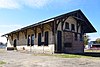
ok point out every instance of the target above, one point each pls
(57, 23)
(17, 34)
(25, 33)
(55, 26)
(11, 36)
(54, 32)
(52, 26)
(77, 27)
(35, 31)
(41, 28)
(62, 21)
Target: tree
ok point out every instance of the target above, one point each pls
(98, 40)
(86, 39)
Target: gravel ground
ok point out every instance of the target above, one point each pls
(19, 59)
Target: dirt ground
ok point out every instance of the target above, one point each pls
(19, 59)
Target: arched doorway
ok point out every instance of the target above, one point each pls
(59, 41)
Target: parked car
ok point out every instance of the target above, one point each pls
(2, 45)
(94, 45)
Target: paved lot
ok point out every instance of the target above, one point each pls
(18, 59)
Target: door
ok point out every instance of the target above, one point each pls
(59, 41)
(15, 43)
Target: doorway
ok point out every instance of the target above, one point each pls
(15, 43)
(39, 39)
(59, 41)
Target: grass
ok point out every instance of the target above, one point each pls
(92, 50)
(2, 62)
(70, 56)
(63, 55)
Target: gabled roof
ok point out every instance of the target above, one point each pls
(87, 26)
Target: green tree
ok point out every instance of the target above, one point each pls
(98, 40)
(86, 39)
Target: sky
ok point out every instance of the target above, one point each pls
(15, 14)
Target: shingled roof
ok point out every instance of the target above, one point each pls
(87, 26)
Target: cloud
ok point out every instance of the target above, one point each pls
(35, 3)
(10, 4)
(13, 4)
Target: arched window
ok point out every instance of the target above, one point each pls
(66, 25)
(72, 27)
(46, 38)
(39, 39)
(32, 39)
(28, 40)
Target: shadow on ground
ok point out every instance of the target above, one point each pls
(92, 54)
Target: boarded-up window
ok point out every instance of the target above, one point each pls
(46, 38)
(66, 25)
(67, 44)
(28, 42)
(72, 27)
(32, 39)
